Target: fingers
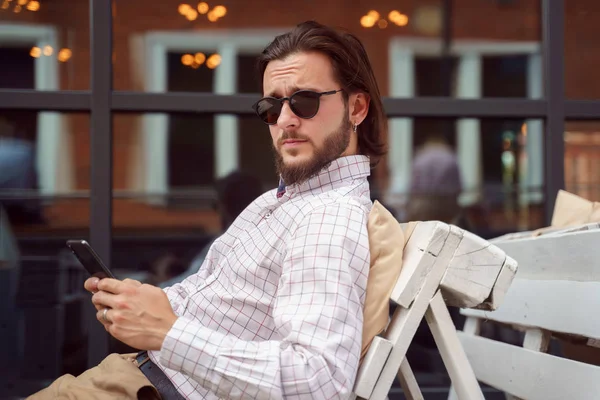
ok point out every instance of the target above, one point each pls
(113, 293)
(132, 282)
(104, 299)
(102, 315)
(91, 285)
(116, 286)
(110, 295)
(111, 285)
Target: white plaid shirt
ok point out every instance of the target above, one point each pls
(276, 310)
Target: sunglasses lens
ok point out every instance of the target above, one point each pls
(305, 104)
(268, 110)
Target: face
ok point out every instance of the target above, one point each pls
(304, 146)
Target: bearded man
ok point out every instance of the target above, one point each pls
(276, 309)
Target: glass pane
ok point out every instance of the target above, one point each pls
(44, 153)
(582, 23)
(582, 159)
(495, 164)
(44, 45)
(211, 47)
(43, 333)
(189, 152)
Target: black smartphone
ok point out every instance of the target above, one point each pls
(89, 259)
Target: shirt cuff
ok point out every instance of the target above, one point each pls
(186, 347)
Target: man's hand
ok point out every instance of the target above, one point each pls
(139, 315)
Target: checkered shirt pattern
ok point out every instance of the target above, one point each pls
(276, 308)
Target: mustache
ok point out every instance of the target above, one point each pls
(287, 135)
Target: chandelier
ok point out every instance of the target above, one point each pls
(192, 13)
(63, 55)
(17, 6)
(373, 18)
(195, 61)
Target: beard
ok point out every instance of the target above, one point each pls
(333, 147)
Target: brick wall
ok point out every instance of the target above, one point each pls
(582, 54)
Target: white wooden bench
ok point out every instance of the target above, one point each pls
(442, 265)
(556, 293)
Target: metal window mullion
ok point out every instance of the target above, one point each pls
(52, 100)
(80, 101)
(101, 154)
(582, 109)
(553, 26)
(394, 107)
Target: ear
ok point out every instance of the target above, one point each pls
(358, 107)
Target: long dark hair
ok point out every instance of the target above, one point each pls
(351, 68)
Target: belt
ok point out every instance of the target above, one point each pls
(157, 377)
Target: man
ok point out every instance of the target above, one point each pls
(276, 309)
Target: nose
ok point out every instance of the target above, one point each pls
(287, 119)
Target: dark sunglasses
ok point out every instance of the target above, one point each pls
(304, 103)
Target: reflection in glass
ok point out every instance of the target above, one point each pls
(582, 159)
(41, 48)
(43, 155)
(403, 42)
(500, 170)
(174, 160)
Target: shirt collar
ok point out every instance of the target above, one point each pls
(338, 173)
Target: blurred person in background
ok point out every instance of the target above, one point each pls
(435, 184)
(18, 173)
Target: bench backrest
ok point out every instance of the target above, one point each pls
(467, 270)
(557, 287)
(556, 292)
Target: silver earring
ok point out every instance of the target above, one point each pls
(355, 128)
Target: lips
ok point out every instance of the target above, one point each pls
(293, 141)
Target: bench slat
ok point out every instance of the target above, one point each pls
(472, 272)
(529, 374)
(569, 257)
(405, 322)
(558, 306)
(371, 366)
(427, 236)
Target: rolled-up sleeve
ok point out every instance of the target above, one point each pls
(317, 314)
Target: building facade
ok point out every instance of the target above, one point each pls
(131, 110)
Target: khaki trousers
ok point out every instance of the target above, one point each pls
(116, 377)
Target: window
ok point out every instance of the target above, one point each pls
(190, 137)
(477, 69)
(20, 70)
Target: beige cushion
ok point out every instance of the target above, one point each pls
(386, 244)
(571, 209)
